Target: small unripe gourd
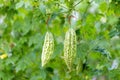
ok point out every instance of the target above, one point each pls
(70, 47)
(48, 48)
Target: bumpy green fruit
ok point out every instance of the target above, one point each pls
(70, 48)
(48, 48)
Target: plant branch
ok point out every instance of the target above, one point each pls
(62, 5)
(77, 3)
(47, 22)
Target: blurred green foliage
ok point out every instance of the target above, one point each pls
(23, 27)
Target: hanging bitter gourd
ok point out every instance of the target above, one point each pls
(70, 47)
(48, 48)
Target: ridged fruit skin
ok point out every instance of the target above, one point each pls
(48, 48)
(70, 47)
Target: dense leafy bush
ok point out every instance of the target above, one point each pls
(24, 23)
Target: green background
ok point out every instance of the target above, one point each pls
(23, 24)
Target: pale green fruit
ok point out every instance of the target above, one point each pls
(48, 48)
(70, 48)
